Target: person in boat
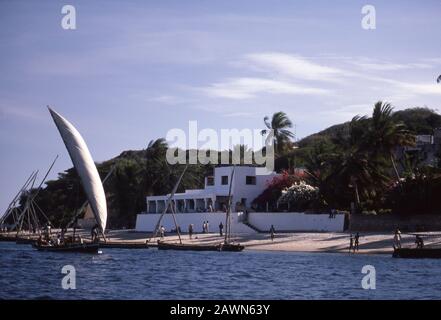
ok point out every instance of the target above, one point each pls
(419, 242)
(162, 232)
(272, 232)
(397, 239)
(221, 229)
(351, 243)
(94, 233)
(204, 228)
(190, 231)
(41, 241)
(357, 241)
(207, 227)
(58, 242)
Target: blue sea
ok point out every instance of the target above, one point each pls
(151, 274)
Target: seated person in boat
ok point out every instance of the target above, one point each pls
(94, 233)
(419, 242)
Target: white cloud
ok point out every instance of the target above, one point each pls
(369, 64)
(295, 66)
(245, 88)
(421, 88)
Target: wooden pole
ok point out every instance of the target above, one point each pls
(172, 194)
(227, 217)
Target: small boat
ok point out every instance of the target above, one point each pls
(124, 245)
(233, 247)
(201, 247)
(417, 253)
(69, 247)
(188, 247)
(25, 240)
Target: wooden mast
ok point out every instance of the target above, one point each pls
(228, 213)
(167, 205)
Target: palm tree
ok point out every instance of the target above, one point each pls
(154, 156)
(280, 124)
(351, 166)
(384, 134)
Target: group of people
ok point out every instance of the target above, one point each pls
(332, 213)
(354, 242)
(419, 242)
(60, 238)
(205, 227)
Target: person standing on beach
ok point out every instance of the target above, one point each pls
(351, 243)
(221, 228)
(190, 231)
(397, 239)
(272, 232)
(357, 238)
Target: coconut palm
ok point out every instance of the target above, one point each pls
(351, 171)
(384, 134)
(279, 124)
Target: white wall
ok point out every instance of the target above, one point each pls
(296, 221)
(282, 221)
(147, 222)
(240, 189)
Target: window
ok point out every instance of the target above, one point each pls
(224, 180)
(210, 181)
(251, 180)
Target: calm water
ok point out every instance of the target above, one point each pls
(151, 274)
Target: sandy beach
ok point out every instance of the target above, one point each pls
(370, 243)
(332, 242)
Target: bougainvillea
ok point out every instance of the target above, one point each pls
(274, 189)
(299, 196)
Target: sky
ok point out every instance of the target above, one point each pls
(133, 70)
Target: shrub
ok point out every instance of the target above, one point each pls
(300, 196)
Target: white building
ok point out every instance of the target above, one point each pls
(209, 204)
(247, 185)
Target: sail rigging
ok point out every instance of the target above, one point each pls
(85, 167)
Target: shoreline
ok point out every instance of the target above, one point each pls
(304, 242)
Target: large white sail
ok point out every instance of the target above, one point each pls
(83, 163)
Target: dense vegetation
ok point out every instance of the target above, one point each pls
(350, 163)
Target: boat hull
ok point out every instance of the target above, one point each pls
(118, 245)
(232, 247)
(25, 241)
(414, 253)
(187, 247)
(76, 247)
(200, 247)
